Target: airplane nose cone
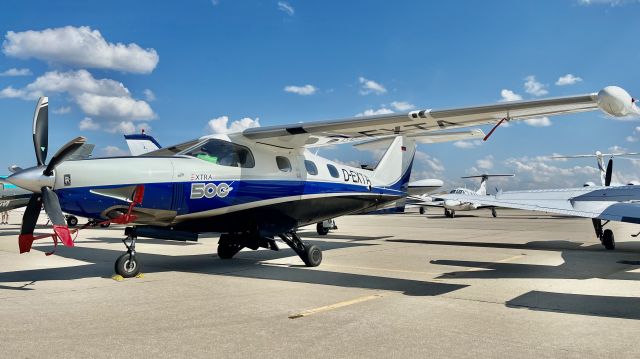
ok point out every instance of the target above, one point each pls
(32, 179)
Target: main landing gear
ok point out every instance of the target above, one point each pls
(449, 213)
(421, 210)
(127, 265)
(606, 236)
(494, 213)
(230, 244)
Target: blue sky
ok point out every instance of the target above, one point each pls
(172, 67)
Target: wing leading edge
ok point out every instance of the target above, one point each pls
(613, 100)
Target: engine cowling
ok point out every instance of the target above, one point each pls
(617, 102)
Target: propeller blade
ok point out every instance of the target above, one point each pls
(63, 153)
(607, 178)
(41, 130)
(54, 211)
(29, 220)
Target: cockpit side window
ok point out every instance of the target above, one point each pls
(223, 153)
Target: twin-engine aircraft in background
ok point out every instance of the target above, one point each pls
(599, 156)
(252, 186)
(600, 203)
(452, 205)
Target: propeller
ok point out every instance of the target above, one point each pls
(609, 173)
(41, 180)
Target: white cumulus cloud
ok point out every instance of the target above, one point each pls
(402, 106)
(485, 163)
(369, 86)
(372, 112)
(508, 95)
(567, 79)
(533, 87)
(301, 90)
(286, 8)
(112, 151)
(104, 98)
(62, 110)
(87, 124)
(221, 124)
(16, 72)
(538, 122)
(79, 47)
(149, 95)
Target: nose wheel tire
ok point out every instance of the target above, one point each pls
(127, 265)
(421, 210)
(608, 240)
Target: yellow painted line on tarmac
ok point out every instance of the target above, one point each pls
(327, 308)
(490, 264)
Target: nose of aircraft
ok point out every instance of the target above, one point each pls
(32, 179)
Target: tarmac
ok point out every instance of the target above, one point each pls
(403, 285)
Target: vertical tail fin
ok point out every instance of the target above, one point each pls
(394, 169)
(140, 144)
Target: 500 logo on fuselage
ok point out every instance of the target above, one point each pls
(210, 190)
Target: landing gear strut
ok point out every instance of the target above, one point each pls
(311, 255)
(494, 213)
(127, 265)
(449, 213)
(606, 236)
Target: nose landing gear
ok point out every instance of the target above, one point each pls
(127, 265)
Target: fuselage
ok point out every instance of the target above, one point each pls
(461, 205)
(257, 187)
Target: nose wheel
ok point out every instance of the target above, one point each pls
(127, 265)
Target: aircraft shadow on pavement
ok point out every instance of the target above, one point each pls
(578, 262)
(246, 264)
(593, 305)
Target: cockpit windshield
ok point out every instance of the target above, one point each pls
(222, 153)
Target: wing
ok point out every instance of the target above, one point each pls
(609, 203)
(612, 100)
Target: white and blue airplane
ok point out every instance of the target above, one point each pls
(620, 203)
(252, 186)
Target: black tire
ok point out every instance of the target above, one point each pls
(127, 266)
(105, 225)
(321, 229)
(608, 240)
(72, 221)
(312, 256)
(228, 250)
(494, 213)
(453, 213)
(446, 213)
(421, 210)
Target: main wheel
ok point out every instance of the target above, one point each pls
(453, 213)
(421, 210)
(494, 213)
(608, 241)
(105, 225)
(322, 230)
(72, 221)
(228, 250)
(127, 266)
(446, 213)
(312, 256)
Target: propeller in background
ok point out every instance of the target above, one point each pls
(41, 180)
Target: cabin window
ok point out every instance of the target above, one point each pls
(284, 164)
(311, 167)
(223, 153)
(333, 171)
